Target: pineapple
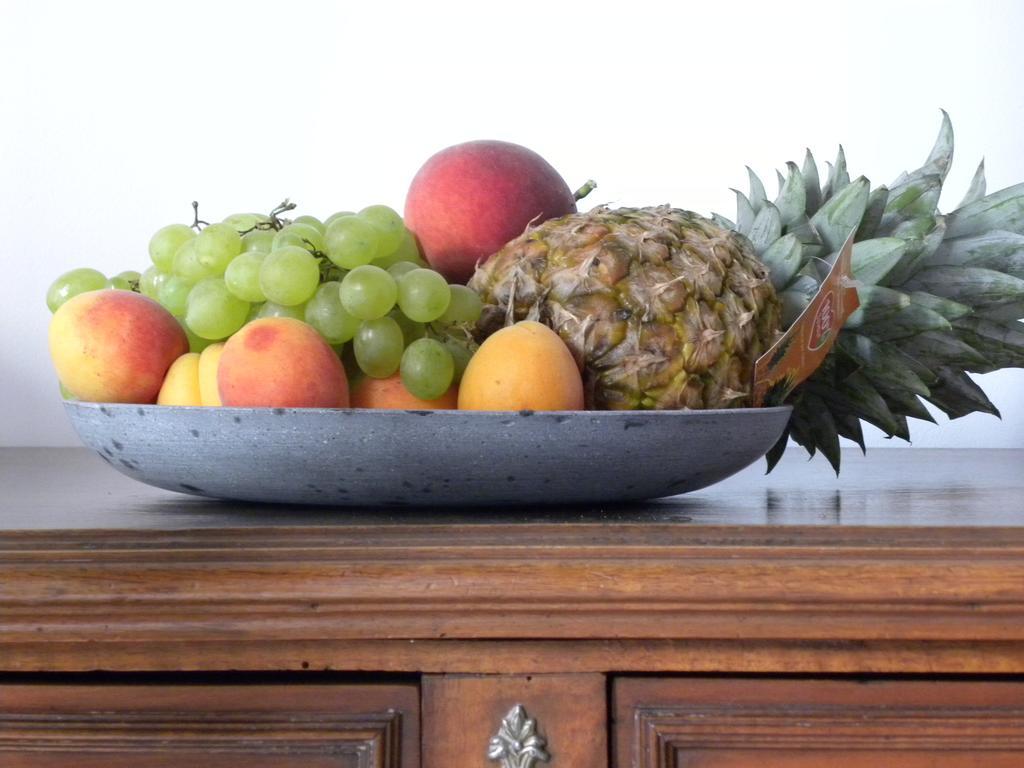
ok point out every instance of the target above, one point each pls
(661, 307)
(666, 309)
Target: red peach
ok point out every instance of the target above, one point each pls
(112, 346)
(467, 201)
(280, 362)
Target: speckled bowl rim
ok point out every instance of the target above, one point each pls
(663, 413)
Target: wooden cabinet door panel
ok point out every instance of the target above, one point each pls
(736, 723)
(229, 726)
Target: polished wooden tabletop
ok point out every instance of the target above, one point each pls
(912, 560)
(71, 488)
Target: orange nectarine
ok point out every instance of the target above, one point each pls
(369, 392)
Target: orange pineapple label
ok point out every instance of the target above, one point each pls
(805, 345)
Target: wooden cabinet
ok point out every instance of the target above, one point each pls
(793, 620)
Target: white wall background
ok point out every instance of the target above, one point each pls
(115, 115)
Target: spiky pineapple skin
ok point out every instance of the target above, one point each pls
(662, 308)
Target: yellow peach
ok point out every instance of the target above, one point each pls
(209, 360)
(181, 384)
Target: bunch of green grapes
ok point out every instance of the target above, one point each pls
(398, 314)
(357, 278)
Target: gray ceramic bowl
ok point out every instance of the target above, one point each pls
(411, 458)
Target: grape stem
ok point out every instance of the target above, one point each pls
(313, 250)
(196, 221)
(282, 207)
(328, 271)
(275, 222)
(585, 190)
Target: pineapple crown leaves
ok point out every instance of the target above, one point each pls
(941, 295)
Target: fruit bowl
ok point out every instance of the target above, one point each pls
(368, 457)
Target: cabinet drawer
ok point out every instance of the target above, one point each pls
(734, 723)
(212, 726)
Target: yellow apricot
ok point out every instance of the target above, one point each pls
(525, 366)
(181, 384)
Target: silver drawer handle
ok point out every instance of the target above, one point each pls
(517, 743)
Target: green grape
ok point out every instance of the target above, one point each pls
(427, 368)
(173, 294)
(289, 275)
(368, 292)
(243, 222)
(216, 246)
(209, 287)
(338, 215)
(407, 251)
(423, 295)
(301, 235)
(242, 276)
(213, 311)
(151, 280)
(71, 284)
(411, 330)
(270, 309)
(351, 242)
(378, 347)
(258, 240)
(166, 242)
(400, 268)
(465, 306)
(461, 354)
(187, 264)
(388, 223)
(124, 281)
(326, 313)
(311, 221)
